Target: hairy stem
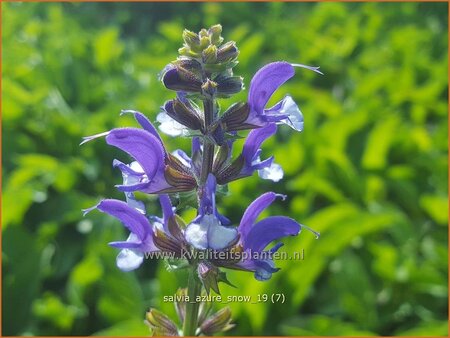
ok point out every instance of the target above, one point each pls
(191, 318)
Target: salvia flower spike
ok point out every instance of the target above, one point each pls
(209, 243)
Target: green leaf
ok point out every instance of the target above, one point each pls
(87, 272)
(431, 328)
(379, 143)
(107, 47)
(21, 280)
(51, 308)
(436, 207)
(320, 325)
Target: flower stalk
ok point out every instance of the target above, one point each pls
(192, 307)
(194, 284)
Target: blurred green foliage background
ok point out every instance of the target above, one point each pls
(369, 171)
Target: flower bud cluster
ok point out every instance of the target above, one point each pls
(204, 68)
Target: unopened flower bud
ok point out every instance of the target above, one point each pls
(190, 38)
(231, 171)
(221, 157)
(209, 55)
(184, 114)
(227, 52)
(219, 67)
(174, 227)
(204, 310)
(204, 42)
(181, 298)
(181, 79)
(184, 51)
(209, 88)
(166, 243)
(214, 32)
(234, 117)
(160, 324)
(189, 64)
(181, 181)
(218, 322)
(175, 163)
(209, 274)
(203, 33)
(229, 85)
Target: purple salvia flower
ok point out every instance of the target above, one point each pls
(156, 171)
(140, 239)
(264, 83)
(132, 174)
(251, 151)
(148, 152)
(167, 211)
(208, 230)
(142, 229)
(256, 236)
(250, 159)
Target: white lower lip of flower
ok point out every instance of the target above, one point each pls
(209, 233)
(221, 237)
(128, 259)
(130, 179)
(262, 274)
(273, 173)
(169, 126)
(295, 116)
(197, 235)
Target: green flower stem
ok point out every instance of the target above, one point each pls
(194, 284)
(191, 317)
